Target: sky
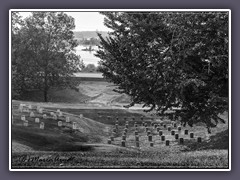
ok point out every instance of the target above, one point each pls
(84, 21)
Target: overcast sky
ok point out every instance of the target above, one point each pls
(84, 21)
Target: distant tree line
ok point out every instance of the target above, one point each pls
(91, 41)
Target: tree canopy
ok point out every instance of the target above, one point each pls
(43, 53)
(170, 60)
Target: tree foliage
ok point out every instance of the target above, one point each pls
(43, 51)
(170, 60)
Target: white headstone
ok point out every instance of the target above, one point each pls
(42, 125)
(40, 110)
(23, 118)
(81, 116)
(32, 114)
(67, 119)
(20, 107)
(29, 106)
(52, 113)
(55, 117)
(44, 116)
(36, 120)
(60, 114)
(58, 111)
(25, 123)
(74, 125)
(25, 109)
(59, 123)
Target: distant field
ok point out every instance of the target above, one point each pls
(89, 75)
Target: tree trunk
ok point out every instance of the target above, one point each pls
(45, 95)
(45, 91)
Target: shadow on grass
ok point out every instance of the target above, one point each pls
(49, 141)
(217, 141)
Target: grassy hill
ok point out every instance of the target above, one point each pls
(87, 147)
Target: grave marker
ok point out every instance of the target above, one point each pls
(29, 106)
(23, 118)
(44, 116)
(199, 139)
(167, 142)
(137, 144)
(186, 132)
(179, 128)
(172, 132)
(67, 119)
(60, 123)
(136, 138)
(148, 133)
(25, 123)
(32, 114)
(169, 128)
(191, 135)
(109, 141)
(151, 144)
(176, 136)
(80, 116)
(40, 110)
(181, 141)
(146, 129)
(37, 120)
(150, 138)
(174, 125)
(55, 117)
(112, 138)
(74, 125)
(124, 138)
(160, 133)
(60, 114)
(42, 125)
(123, 143)
(163, 138)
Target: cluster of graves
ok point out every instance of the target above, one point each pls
(36, 116)
(128, 134)
(137, 134)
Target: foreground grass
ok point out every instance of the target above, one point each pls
(122, 159)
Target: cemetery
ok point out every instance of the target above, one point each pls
(129, 134)
(162, 99)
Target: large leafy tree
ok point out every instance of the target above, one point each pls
(43, 52)
(170, 59)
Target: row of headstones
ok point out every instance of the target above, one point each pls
(37, 120)
(42, 124)
(199, 139)
(167, 142)
(27, 108)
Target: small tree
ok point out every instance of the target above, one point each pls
(44, 54)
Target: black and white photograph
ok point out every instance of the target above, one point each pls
(120, 89)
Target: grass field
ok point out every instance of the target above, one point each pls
(87, 146)
(62, 147)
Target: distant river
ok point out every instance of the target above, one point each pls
(87, 56)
